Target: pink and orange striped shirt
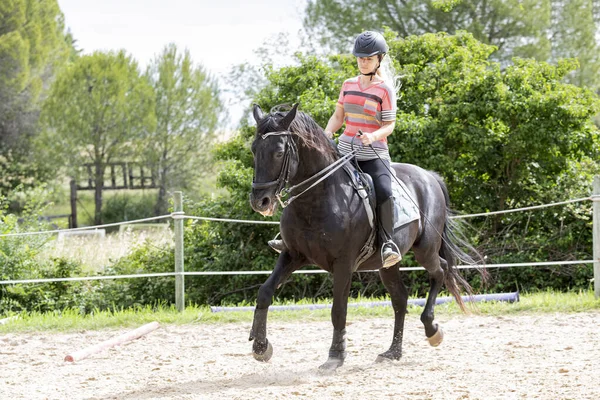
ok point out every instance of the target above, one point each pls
(365, 109)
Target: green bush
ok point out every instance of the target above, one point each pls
(51, 296)
(128, 206)
(18, 253)
(19, 259)
(127, 293)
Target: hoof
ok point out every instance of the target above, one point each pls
(331, 365)
(388, 356)
(265, 355)
(437, 337)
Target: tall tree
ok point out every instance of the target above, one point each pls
(187, 109)
(513, 26)
(96, 110)
(33, 46)
(574, 30)
(546, 30)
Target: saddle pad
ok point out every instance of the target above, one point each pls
(405, 207)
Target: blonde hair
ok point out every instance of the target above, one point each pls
(387, 72)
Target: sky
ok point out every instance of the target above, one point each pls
(218, 34)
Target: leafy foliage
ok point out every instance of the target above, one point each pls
(502, 138)
(187, 110)
(507, 132)
(96, 108)
(19, 259)
(33, 47)
(544, 30)
(127, 206)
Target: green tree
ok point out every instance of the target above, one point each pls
(513, 26)
(187, 110)
(546, 30)
(574, 30)
(96, 111)
(33, 46)
(507, 132)
(246, 80)
(502, 138)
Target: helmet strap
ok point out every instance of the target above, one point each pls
(372, 74)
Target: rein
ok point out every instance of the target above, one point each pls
(284, 175)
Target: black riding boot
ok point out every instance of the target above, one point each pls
(277, 244)
(390, 254)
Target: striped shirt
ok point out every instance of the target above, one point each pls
(365, 109)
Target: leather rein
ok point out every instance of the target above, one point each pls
(282, 180)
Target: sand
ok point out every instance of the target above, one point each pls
(521, 356)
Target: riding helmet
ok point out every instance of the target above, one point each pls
(368, 44)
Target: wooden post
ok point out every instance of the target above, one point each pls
(596, 235)
(179, 279)
(73, 221)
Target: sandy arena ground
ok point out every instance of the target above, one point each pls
(539, 356)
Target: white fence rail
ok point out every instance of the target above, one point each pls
(179, 272)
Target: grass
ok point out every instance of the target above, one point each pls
(72, 320)
(95, 253)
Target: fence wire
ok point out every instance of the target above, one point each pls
(181, 215)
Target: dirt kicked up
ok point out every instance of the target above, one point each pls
(522, 356)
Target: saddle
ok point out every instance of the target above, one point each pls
(405, 207)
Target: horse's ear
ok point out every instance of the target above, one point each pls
(289, 117)
(257, 112)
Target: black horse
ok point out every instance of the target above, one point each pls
(328, 225)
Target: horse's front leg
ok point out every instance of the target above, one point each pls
(261, 348)
(342, 277)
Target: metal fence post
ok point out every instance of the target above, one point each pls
(596, 235)
(179, 277)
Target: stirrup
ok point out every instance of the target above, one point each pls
(390, 254)
(277, 245)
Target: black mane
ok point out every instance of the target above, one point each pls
(311, 135)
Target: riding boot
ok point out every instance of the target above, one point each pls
(277, 245)
(390, 254)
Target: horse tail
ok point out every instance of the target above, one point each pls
(452, 244)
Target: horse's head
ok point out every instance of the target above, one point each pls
(275, 158)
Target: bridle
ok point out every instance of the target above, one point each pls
(284, 175)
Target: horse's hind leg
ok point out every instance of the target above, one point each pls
(392, 281)
(433, 264)
(339, 311)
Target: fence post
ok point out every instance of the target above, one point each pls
(179, 278)
(73, 221)
(596, 235)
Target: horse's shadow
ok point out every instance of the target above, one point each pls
(261, 379)
(266, 378)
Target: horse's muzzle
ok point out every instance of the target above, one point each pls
(263, 204)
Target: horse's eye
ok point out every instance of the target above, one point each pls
(279, 154)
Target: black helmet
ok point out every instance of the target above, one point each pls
(368, 44)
